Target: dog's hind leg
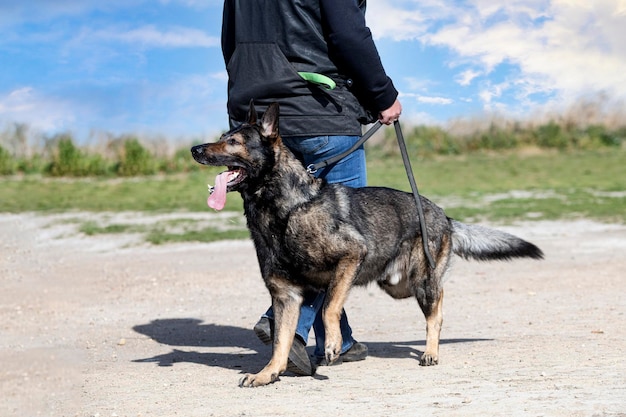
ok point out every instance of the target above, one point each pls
(429, 294)
(286, 302)
(432, 307)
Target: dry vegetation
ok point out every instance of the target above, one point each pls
(585, 126)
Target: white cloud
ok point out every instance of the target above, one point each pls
(563, 48)
(418, 84)
(195, 3)
(150, 36)
(398, 23)
(27, 105)
(18, 12)
(465, 78)
(434, 100)
(577, 50)
(189, 105)
(221, 76)
(16, 100)
(427, 99)
(492, 91)
(412, 117)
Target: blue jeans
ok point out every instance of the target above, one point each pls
(350, 171)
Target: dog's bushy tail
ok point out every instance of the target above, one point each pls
(485, 244)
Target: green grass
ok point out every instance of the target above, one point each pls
(168, 231)
(91, 228)
(180, 192)
(206, 235)
(158, 235)
(551, 185)
(488, 174)
(580, 184)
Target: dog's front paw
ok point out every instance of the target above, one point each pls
(257, 380)
(332, 352)
(429, 359)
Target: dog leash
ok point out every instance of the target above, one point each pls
(313, 168)
(420, 210)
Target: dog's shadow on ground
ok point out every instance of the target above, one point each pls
(193, 333)
(406, 349)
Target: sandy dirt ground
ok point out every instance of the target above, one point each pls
(109, 326)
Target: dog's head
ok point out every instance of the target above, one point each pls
(247, 151)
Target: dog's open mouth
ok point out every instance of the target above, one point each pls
(224, 182)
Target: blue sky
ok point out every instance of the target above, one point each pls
(155, 67)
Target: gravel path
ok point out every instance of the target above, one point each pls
(106, 326)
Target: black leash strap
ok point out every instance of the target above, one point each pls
(416, 194)
(312, 169)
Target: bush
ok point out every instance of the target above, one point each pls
(7, 163)
(551, 136)
(600, 136)
(428, 140)
(420, 140)
(96, 165)
(135, 160)
(126, 156)
(33, 165)
(181, 161)
(498, 138)
(67, 159)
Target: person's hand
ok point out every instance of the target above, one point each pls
(391, 114)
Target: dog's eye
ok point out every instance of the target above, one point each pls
(232, 141)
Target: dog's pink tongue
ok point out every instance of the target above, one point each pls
(217, 199)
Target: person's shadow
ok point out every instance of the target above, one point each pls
(193, 333)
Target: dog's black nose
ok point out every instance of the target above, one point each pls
(197, 153)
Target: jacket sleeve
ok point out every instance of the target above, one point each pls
(351, 45)
(228, 32)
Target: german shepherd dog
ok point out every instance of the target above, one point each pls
(311, 235)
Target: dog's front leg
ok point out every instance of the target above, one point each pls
(286, 302)
(335, 299)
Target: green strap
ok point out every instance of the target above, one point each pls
(318, 79)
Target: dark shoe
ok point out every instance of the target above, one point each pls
(357, 352)
(264, 330)
(298, 362)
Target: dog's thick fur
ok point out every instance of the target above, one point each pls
(310, 234)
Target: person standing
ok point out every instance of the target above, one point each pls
(269, 48)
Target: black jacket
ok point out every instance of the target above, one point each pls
(267, 42)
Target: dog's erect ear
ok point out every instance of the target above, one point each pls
(269, 121)
(252, 113)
